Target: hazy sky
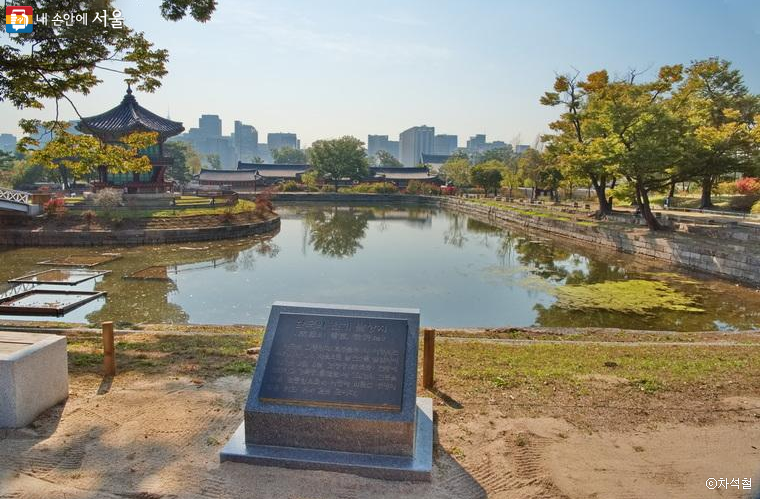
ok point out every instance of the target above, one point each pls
(330, 68)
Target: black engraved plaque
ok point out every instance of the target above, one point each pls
(339, 361)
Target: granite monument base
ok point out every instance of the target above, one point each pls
(417, 467)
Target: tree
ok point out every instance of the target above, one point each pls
(338, 234)
(53, 61)
(643, 136)
(720, 114)
(488, 176)
(541, 171)
(25, 175)
(341, 158)
(185, 161)
(6, 160)
(83, 155)
(388, 160)
(456, 171)
(503, 154)
(214, 162)
(577, 141)
(530, 166)
(289, 155)
(257, 160)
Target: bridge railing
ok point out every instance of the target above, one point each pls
(15, 196)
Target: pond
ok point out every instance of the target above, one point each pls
(459, 271)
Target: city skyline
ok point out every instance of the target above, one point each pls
(385, 69)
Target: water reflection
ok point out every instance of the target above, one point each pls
(459, 271)
(336, 232)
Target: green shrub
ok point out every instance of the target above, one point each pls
(623, 193)
(291, 186)
(424, 188)
(727, 188)
(371, 188)
(89, 216)
(108, 198)
(743, 203)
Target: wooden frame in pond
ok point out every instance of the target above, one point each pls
(79, 276)
(6, 307)
(152, 273)
(82, 260)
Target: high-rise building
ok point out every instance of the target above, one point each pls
(245, 139)
(278, 140)
(477, 143)
(376, 143)
(413, 142)
(393, 148)
(7, 142)
(210, 125)
(208, 140)
(445, 144)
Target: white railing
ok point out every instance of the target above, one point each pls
(721, 213)
(14, 196)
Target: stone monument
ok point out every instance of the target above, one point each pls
(34, 376)
(335, 389)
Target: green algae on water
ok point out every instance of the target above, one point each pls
(634, 296)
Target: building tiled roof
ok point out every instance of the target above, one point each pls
(269, 170)
(128, 117)
(228, 175)
(401, 173)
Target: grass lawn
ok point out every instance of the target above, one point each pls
(468, 367)
(242, 206)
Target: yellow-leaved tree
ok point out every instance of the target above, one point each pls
(83, 155)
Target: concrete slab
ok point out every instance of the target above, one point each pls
(33, 376)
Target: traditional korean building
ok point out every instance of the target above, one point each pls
(275, 173)
(236, 180)
(401, 176)
(126, 118)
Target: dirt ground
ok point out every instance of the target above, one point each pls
(155, 436)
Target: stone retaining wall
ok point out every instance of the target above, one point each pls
(724, 258)
(131, 237)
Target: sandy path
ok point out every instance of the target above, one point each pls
(149, 437)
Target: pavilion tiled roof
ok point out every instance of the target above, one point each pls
(228, 175)
(126, 118)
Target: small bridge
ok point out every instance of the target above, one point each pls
(18, 201)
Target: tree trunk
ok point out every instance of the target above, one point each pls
(601, 195)
(706, 200)
(64, 176)
(672, 191)
(646, 210)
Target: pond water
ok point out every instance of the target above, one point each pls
(459, 271)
